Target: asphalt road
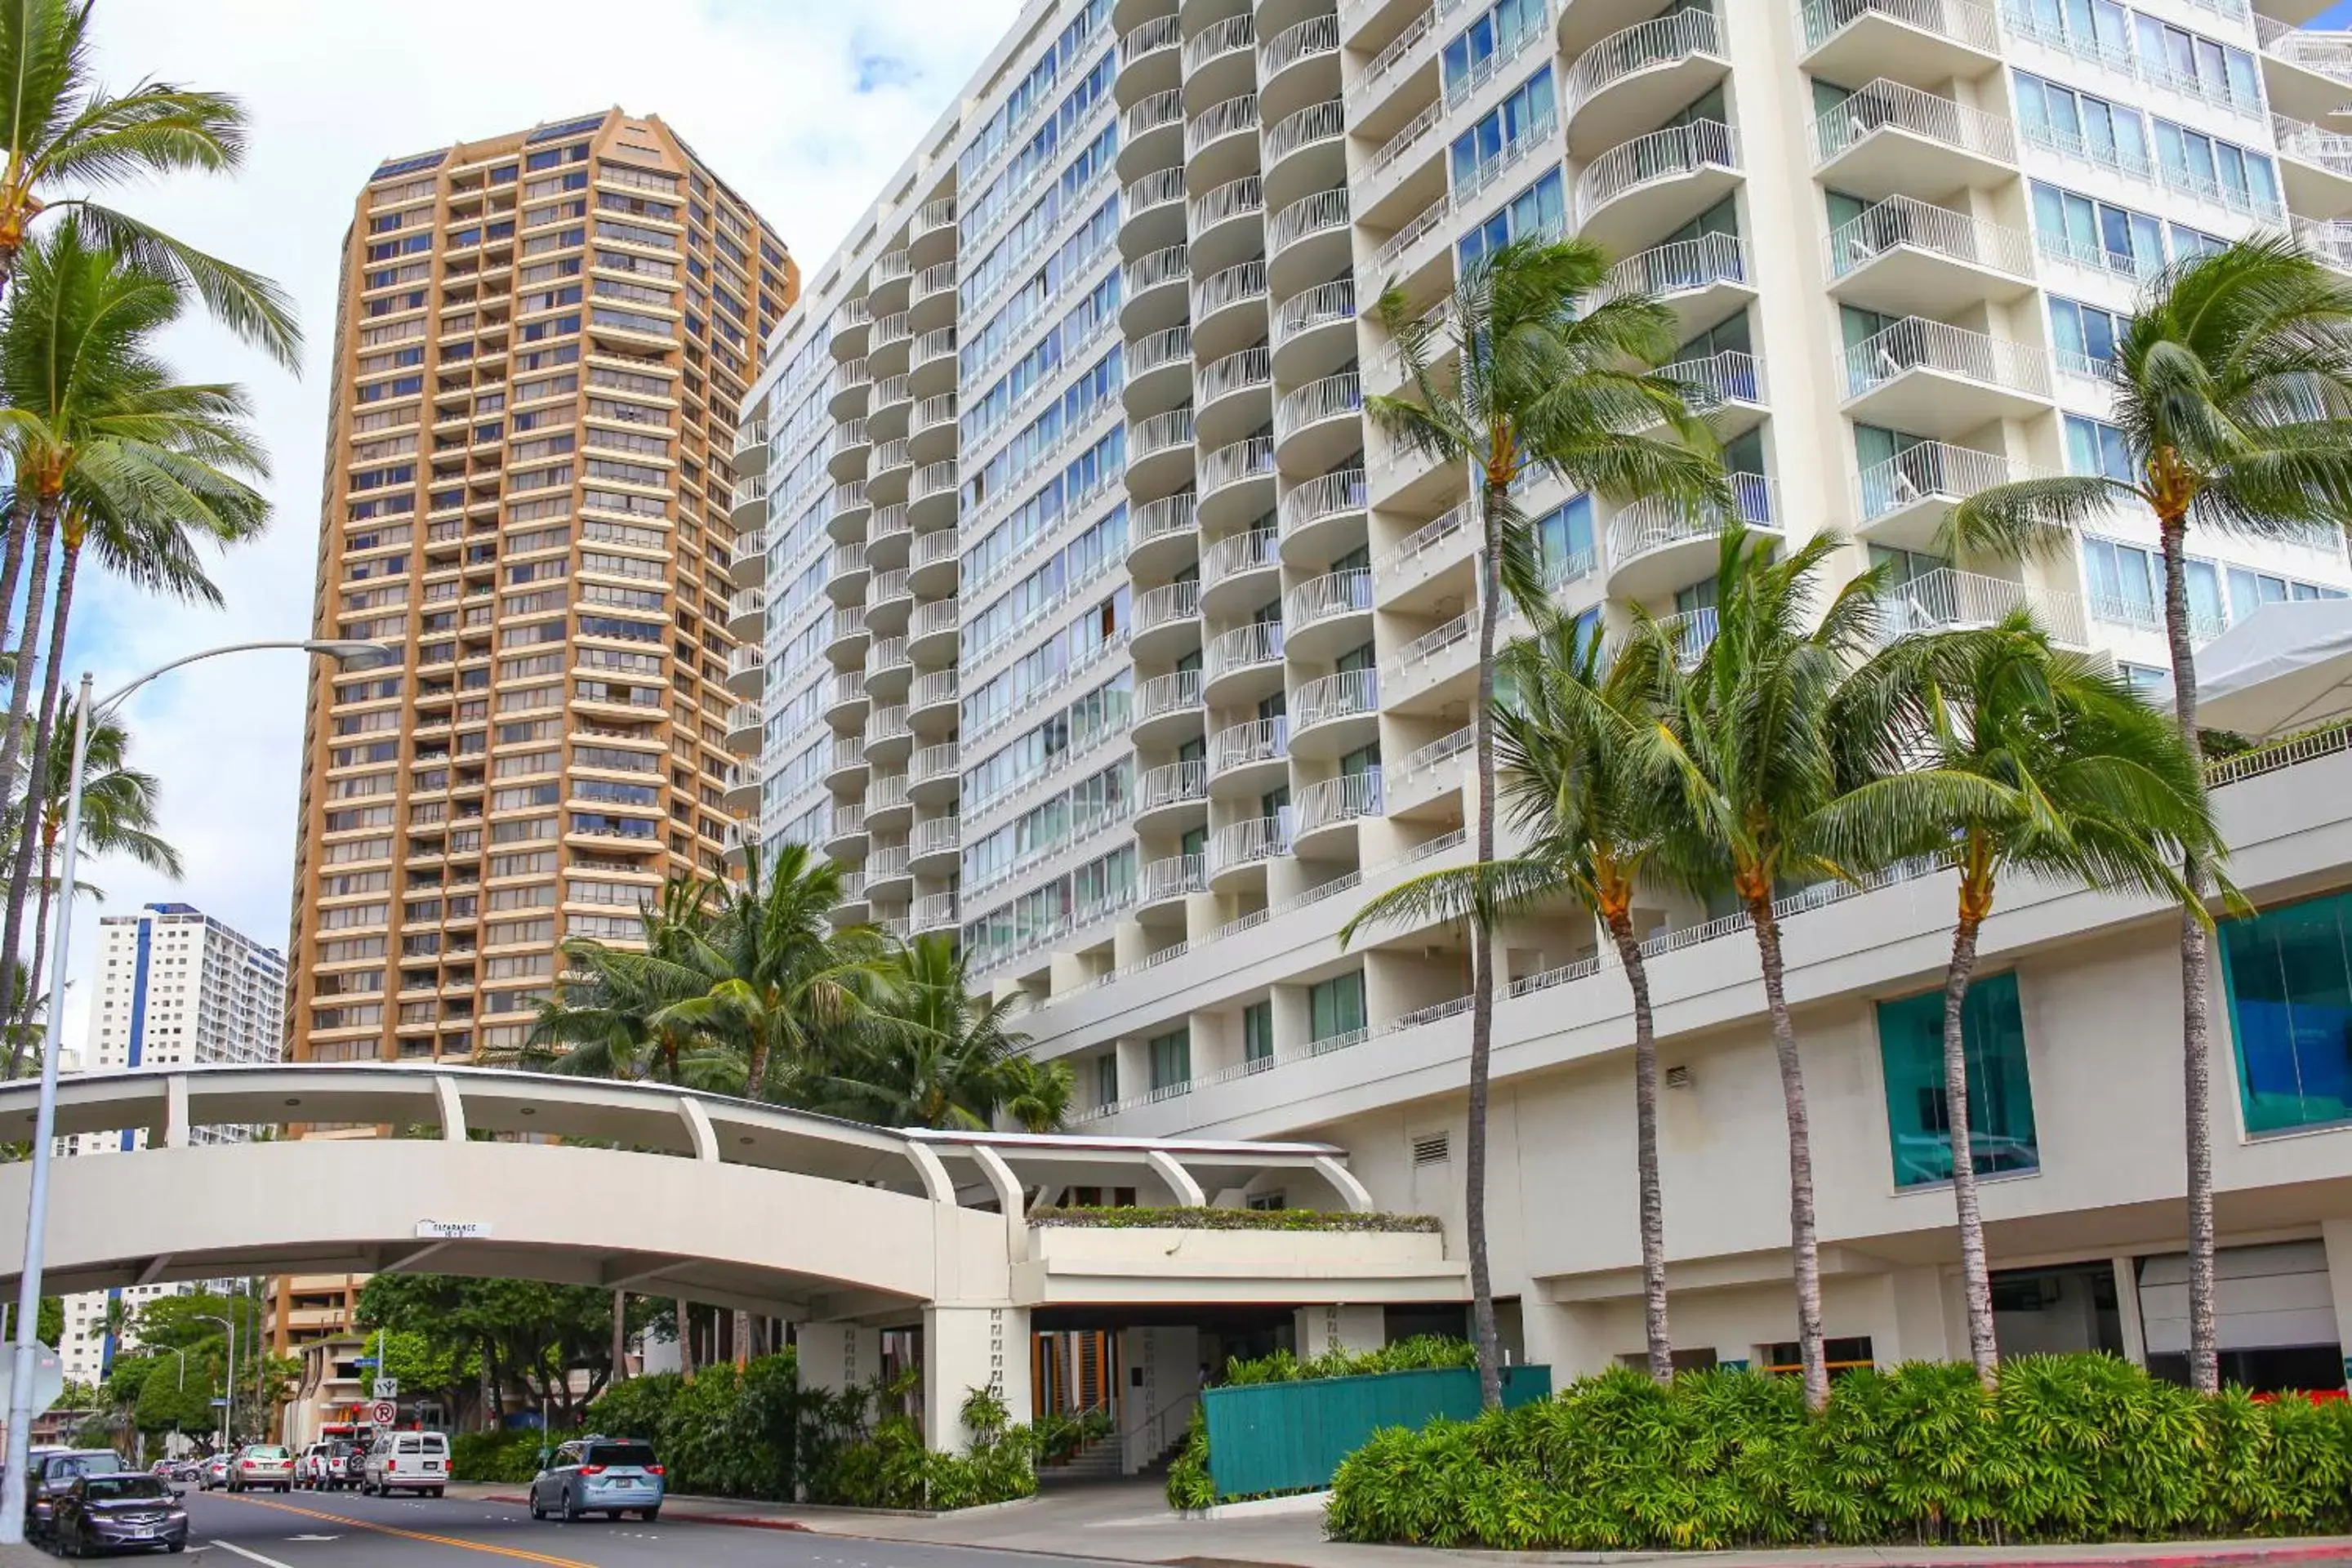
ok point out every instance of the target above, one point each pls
(345, 1529)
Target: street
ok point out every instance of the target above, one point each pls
(348, 1531)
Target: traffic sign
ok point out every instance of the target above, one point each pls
(48, 1376)
(384, 1413)
(365, 1361)
(384, 1388)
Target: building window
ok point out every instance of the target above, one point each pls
(1106, 1079)
(1336, 1005)
(1258, 1032)
(1171, 1059)
(2289, 978)
(2000, 1100)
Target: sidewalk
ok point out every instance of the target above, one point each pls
(1129, 1523)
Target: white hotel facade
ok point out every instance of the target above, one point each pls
(1103, 632)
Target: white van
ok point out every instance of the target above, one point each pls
(407, 1461)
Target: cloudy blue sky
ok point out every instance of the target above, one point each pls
(804, 107)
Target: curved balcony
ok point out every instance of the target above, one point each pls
(1657, 182)
(847, 389)
(1307, 241)
(1240, 665)
(1703, 280)
(849, 906)
(1306, 149)
(931, 495)
(893, 466)
(1904, 256)
(1166, 623)
(743, 729)
(931, 431)
(887, 809)
(935, 562)
(1221, 143)
(2315, 168)
(1229, 309)
(894, 339)
(1320, 423)
(746, 559)
(1728, 387)
(746, 608)
(1240, 571)
(847, 328)
(1218, 60)
(1153, 290)
(1173, 799)
(932, 912)
(1323, 517)
(1888, 138)
(891, 268)
(845, 510)
(846, 701)
(750, 447)
(1923, 42)
(1168, 710)
(1937, 379)
(1223, 226)
(1336, 714)
(933, 635)
(1160, 883)
(1149, 54)
(1299, 65)
(894, 399)
(1162, 535)
(1903, 501)
(889, 874)
(1236, 481)
(1159, 451)
(1238, 851)
(1232, 395)
(846, 769)
(934, 774)
(934, 365)
(1327, 616)
(845, 837)
(1656, 547)
(1314, 332)
(1151, 212)
(845, 574)
(748, 503)
(887, 538)
(935, 848)
(1639, 76)
(887, 738)
(847, 636)
(746, 668)
(888, 670)
(889, 600)
(1247, 760)
(1158, 370)
(742, 787)
(1329, 809)
(932, 236)
(932, 702)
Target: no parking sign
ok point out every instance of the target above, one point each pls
(383, 1412)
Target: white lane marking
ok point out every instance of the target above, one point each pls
(314, 1537)
(251, 1556)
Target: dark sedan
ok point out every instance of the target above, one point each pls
(119, 1513)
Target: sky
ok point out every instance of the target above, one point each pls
(804, 108)
(2336, 15)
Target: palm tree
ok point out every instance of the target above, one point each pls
(118, 818)
(609, 1015)
(1038, 1095)
(935, 1054)
(2232, 386)
(1746, 734)
(1570, 768)
(111, 450)
(1546, 375)
(2084, 782)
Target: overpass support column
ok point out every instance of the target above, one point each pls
(966, 1348)
(836, 1356)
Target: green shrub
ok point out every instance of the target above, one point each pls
(508, 1456)
(1188, 1485)
(2084, 1448)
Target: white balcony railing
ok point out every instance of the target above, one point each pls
(1233, 117)
(1169, 264)
(1302, 41)
(1166, 518)
(1162, 695)
(1676, 36)
(1672, 153)
(1348, 694)
(1240, 372)
(1157, 34)
(1680, 266)
(1322, 211)
(1176, 877)
(1304, 127)
(1930, 470)
(1885, 105)
(1173, 784)
(1251, 458)
(1906, 222)
(1159, 433)
(1234, 286)
(1962, 21)
(1146, 355)
(1325, 495)
(1323, 305)
(1167, 606)
(1242, 647)
(1257, 741)
(1650, 525)
(1947, 597)
(1228, 36)
(1328, 801)
(1916, 343)
(1234, 198)
(1257, 551)
(1242, 843)
(1333, 397)
(1324, 598)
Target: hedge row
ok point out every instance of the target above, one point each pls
(1192, 1219)
(2086, 1447)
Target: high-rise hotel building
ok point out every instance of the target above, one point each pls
(542, 342)
(1107, 634)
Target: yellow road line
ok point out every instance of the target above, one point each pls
(417, 1534)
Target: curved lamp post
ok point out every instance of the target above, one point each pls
(352, 654)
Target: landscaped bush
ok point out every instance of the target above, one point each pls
(2082, 1447)
(723, 1434)
(1189, 1482)
(885, 1464)
(1132, 1218)
(508, 1456)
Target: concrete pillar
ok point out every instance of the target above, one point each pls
(1162, 1368)
(966, 1348)
(2337, 1235)
(2135, 1328)
(1348, 1329)
(1069, 971)
(1294, 1019)
(1568, 1338)
(836, 1356)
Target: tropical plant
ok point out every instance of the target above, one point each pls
(1038, 1095)
(2231, 388)
(1570, 767)
(2084, 782)
(608, 1016)
(109, 450)
(936, 1052)
(1748, 739)
(1543, 369)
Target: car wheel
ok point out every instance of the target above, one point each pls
(570, 1508)
(437, 1491)
(536, 1511)
(649, 1515)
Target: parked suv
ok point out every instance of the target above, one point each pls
(407, 1461)
(611, 1476)
(50, 1474)
(262, 1465)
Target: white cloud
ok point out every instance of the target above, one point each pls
(767, 91)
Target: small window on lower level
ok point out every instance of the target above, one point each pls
(1848, 1354)
(1267, 1202)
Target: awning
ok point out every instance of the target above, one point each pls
(2283, 668)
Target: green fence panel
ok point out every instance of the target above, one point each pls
(1290, 1437)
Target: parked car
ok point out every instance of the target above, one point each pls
(611, 1476)
(328, 1466)
(117, 1512)
(51, 1473)
(214, 1473)
(260, 1466)
(406, 1461)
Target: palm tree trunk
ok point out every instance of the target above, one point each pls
(2196, 993)
(20, 875)
(12, 559)
(41, 919)
(1645, 1149)
(1804, 1237)
(1482, 977)
(1976, 1280)
(12, 740)
(685, 1341)
(620, 1335)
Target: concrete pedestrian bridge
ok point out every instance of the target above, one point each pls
(675, 1193)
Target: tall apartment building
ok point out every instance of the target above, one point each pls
(542, 342)
(1105, 632)
(171, 986)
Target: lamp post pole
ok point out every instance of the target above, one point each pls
(45, 1119)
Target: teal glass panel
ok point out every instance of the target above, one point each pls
(2000, 1100)
(2289, 981)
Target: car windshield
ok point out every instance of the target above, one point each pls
(638, 1454)
(111, 1486)
(264, 1451)
(66, 1466)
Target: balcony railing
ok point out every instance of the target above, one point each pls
(1258, 740)
(1328, 801)
(1884, 105)
(1680, 266)
(1902, 222)
(1916, 343)
(1401, 48)
(1241, 843)
(1159, 433)
(933, 688)
(1675, 35)
(1423, 763)
(1234, 198)
(1945, 597)
(1322, 598)
(1652, 524)
(1233, 117)
(1250, 367)
(1725, 376)
(1228, 36)
(1333, 397)
(1303, 128)
(1322, 305)
(1326, 495)
(1169, 264)
(937, 761)
(2321, 51)
(1146, 355)
(1930, 468)
(1160, 188)
(1157, 34)
(1308, 214)
(1304, 40)
(1350, 693)
(1243, 648)
(1175, 784)
(1162, 518)
(1959, 20)
(1234, 286)
(1236, 463)
(1167, 606)
(1257, 551)
(1164, 694)
(1428, 221)
(938, 836)
(1176, 877)
(1670, 154)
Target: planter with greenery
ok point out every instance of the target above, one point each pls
(2064, 1449)
(1188, 1218)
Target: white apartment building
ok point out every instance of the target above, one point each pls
(170, 985)
(1104, 631)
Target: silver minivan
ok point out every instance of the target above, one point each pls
(611, 1476)
(406, 1462)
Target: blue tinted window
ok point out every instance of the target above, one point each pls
(2288, 976)
(2000, 1100)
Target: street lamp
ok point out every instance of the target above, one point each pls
(352, 654)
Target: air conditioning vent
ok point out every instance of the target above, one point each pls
(1431, 1149)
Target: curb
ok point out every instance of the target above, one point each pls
(2165, 1555)
(735, 1520)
